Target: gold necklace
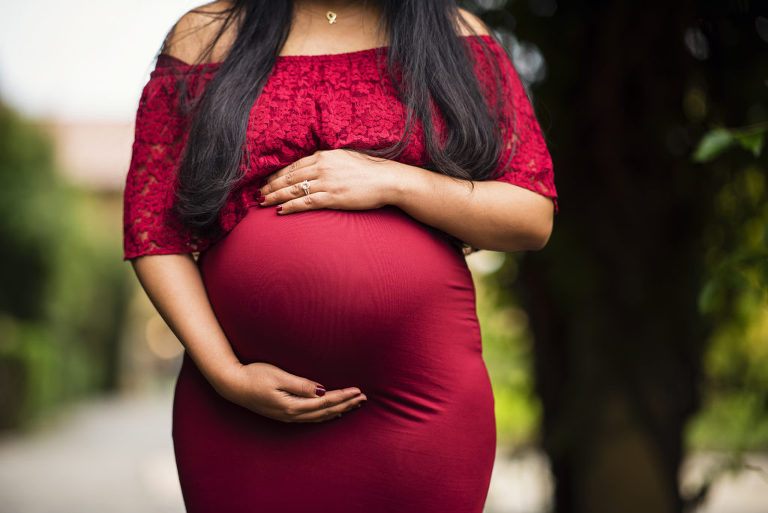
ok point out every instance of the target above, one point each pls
(329, 14)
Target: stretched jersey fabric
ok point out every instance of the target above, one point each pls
(370, 298)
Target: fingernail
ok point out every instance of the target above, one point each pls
(319, 390)
(279, 208)
(258, 192)
(260, 199)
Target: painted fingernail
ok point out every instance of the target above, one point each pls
(279, 208)
(260, 199)
(319, 390)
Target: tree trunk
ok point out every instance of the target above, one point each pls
(613, 297)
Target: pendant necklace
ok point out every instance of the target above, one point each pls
(330, 15)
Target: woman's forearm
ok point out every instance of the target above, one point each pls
(175, 287)
(494, 215)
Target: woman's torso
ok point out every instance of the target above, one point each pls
(367, 298)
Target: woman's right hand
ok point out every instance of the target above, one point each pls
(272, 392)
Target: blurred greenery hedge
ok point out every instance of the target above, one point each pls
(735, 411)
(63, 288)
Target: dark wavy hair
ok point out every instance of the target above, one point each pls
(425, 49)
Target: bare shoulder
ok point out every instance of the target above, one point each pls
(195, 31)
(471, 24)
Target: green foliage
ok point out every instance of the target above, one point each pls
(62, 283)
(507, 352)
(29, 220)
(718, 140)
(734, 415)
(736, 366)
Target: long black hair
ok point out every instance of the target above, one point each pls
(425, 49)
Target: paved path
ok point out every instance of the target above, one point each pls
(115, 455)
(109, 455)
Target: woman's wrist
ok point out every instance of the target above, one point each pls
(223, 375)
(402, 181)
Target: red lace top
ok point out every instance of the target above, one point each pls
(309, 102)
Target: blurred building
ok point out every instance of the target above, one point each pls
(93, 154)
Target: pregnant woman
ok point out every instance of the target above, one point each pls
(307, 178)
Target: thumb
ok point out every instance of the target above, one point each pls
(300, 386)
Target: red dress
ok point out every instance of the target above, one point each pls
(372, 299)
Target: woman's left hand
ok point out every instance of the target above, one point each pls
(339, 179)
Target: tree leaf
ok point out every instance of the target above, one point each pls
(709, 296)
(751, 141)
(713, 144)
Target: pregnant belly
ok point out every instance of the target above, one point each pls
(347, 298)
(372, 299)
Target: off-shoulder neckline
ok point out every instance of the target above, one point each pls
(354, 54)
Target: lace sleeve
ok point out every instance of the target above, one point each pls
(531, 164)
(149, 227)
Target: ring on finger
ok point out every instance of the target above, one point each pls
(305, 187)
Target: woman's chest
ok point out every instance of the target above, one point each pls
(305, 109)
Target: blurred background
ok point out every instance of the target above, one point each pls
(629, 358)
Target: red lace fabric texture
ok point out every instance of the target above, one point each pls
(309, 103)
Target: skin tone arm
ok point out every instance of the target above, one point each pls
(494, 215)
(175, 287)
